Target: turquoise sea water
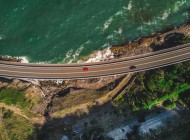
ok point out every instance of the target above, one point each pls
(61, 31)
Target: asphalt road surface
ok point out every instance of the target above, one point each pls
(99, 69)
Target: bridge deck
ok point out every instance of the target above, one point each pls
(99, 69)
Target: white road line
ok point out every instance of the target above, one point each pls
(123, 73)
(99, 70)
(100, 65)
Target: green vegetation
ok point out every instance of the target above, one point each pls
(161, 87)
(169, 104)
(13, 127)
(185, 97)
(184, 40)
(167, 97)
(13, 96)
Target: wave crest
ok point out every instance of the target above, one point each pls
(101, 56)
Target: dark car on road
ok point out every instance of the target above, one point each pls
(132, 67)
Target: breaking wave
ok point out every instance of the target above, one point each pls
(73, 56)
(179, 4)
(101, 56)
(24, 59)
(129, 7)
(107, 23)
(110, 23)
(1, 37)
(166, 14)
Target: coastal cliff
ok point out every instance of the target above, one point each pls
(45, 103)
(157, 41)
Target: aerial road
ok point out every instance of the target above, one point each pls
(97, 69)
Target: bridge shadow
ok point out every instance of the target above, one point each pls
(57, 128)
(65, 128)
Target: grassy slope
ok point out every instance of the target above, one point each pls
(14, 127)
(13, 96)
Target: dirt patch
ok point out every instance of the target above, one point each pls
(84, 108)
(74, 98)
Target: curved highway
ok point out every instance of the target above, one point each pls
(99, 69)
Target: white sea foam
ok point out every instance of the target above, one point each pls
(154, 22)
(165, 14)
(119, 13)
(69, 53)
(130, 6)
(107, 23)
(178, 4)
(140, 28)
(125, 8)
(45, 62)
(72, 55)
(148, 23)
(24, 59)
(78, 51)
(24, 7)
(110, 36)
(101, 55)
(186, 14)
(106, 45)
(119, 31)
(2, 37)
(70, 61)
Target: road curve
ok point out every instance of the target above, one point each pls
(99, 69)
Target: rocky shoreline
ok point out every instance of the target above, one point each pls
(50, 89)
(10, 59)
(55, 99)
(144, 45)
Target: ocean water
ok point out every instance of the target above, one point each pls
(63, 31)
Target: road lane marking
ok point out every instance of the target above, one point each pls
(99, 70)
(111, 64)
